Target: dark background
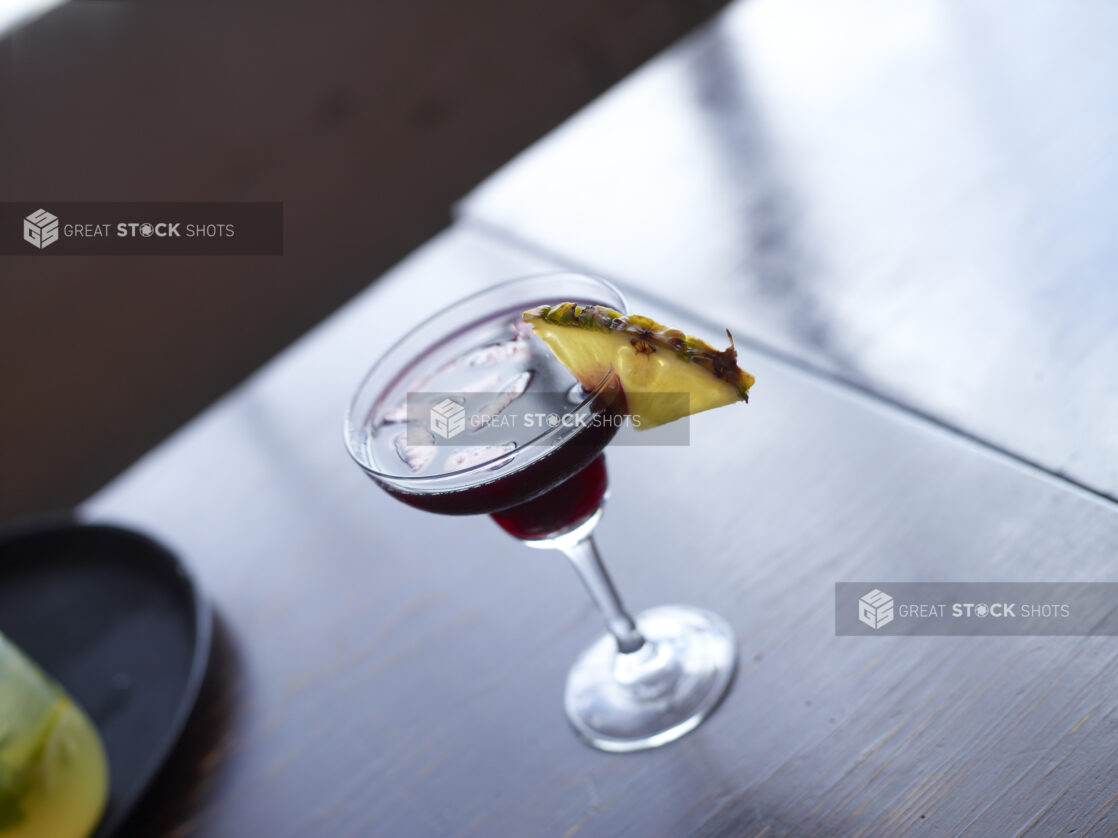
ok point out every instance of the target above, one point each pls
(367, 120)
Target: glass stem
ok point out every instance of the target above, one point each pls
(588, 564)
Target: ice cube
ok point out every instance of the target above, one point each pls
(397, 414)
(499, 353)
(416, 447)
(400, 412)
(510, 393)
(488, 384)
(470, 457)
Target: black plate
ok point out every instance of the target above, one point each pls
(116, 619)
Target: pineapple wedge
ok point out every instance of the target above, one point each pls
(649, 360)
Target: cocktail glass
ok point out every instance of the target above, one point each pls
(651, 679)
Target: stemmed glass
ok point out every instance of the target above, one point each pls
(649, 680)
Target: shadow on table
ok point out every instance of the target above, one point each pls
(195, 764)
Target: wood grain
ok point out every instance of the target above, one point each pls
(400, 673)
(917, 197)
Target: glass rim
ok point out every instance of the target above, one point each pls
(381, 362)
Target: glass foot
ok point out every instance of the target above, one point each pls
(658, 693)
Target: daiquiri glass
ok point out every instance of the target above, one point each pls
(649, 680)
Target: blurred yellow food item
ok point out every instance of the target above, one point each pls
(54, 778)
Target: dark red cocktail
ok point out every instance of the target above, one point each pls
(489, 422)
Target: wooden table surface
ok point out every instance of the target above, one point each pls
(345, 697)
(918, 197)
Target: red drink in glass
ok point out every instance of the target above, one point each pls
(649, 680)
(535, 479)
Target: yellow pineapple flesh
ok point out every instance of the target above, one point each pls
(651, 361)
